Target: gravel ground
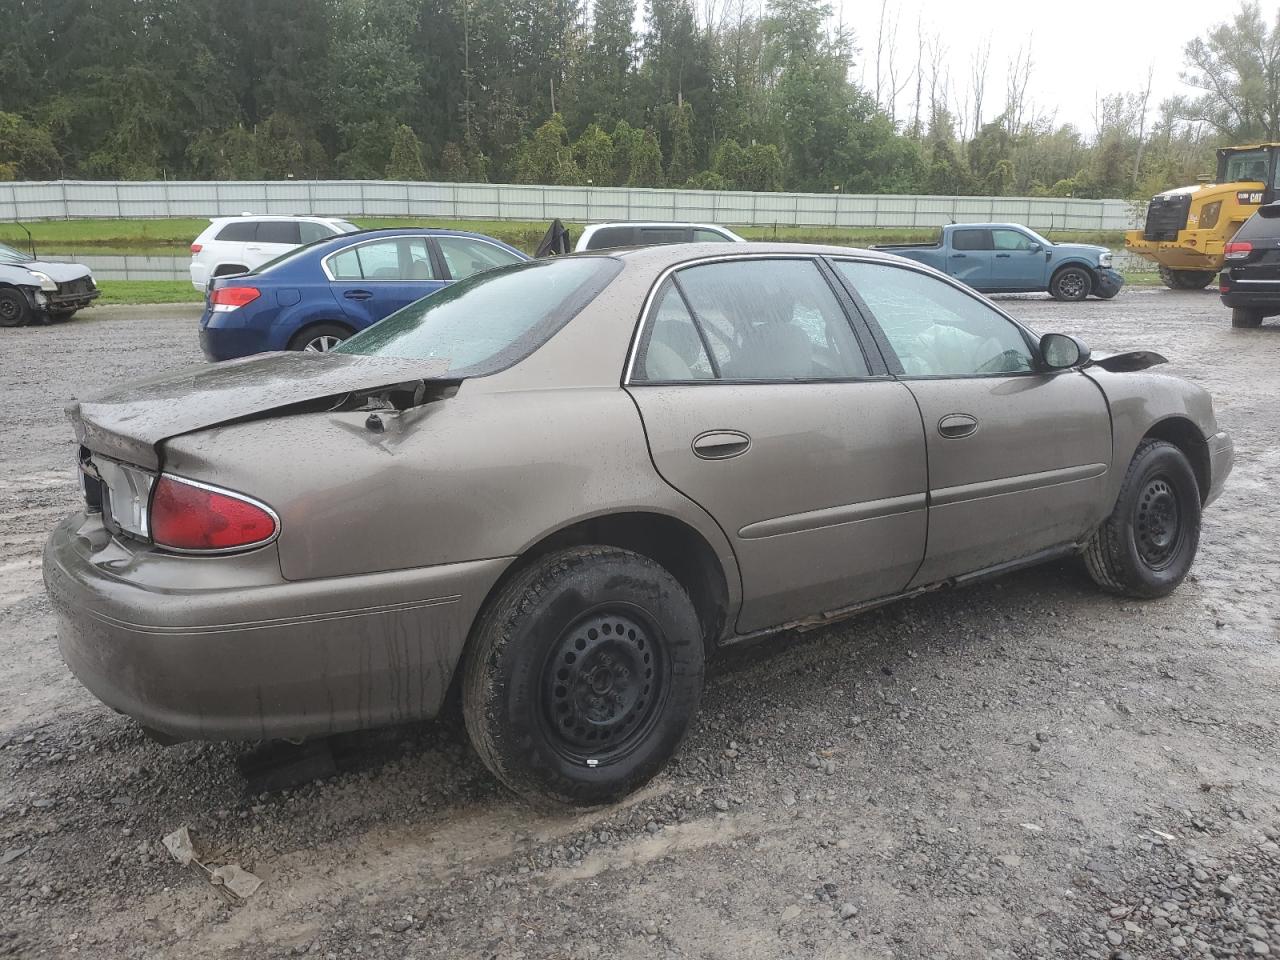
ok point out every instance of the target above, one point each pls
(1027, 768)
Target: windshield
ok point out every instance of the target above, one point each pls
(490, 320)
(1246, 166)
(12, 255)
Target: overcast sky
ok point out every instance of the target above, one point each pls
(1081, 49)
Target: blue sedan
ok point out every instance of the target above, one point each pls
(316, 296)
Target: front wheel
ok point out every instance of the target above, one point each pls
(1240, 317)
(583, 676)
(1146, 546)
(1071, 284)
(14, 310)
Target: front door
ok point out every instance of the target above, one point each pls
(374, 279)
(1017, 458)
(969, 256)
(1019, 262)
(760, 406)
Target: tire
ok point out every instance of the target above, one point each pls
(1071, 284)
(545, 657)
(1186, 279)
(1241, 317)
(1145, 548)
(319, 337)
(14, 309)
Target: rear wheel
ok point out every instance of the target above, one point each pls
(1145, 548)
(1240, 317)
(1186, 279)
(583, 676)
(320, 338)
(1071, 283)
(14, 309)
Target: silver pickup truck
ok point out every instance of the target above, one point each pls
(1011, 258)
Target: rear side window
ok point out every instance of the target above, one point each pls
(703, 235)
(612, 237)
(399, 258)
(278, 231)
(971, 240)
(656, 235)
(239, 231)
(769, 320)
(491, 320)
(672, 349)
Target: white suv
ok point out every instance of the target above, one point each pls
(602, 236)
(239, 244)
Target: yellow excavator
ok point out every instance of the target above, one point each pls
(1187, 228)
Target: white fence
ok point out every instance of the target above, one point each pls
(74, 199)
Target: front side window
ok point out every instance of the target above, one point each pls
(490, 320)
(1010, 240)
(936, 329)
(769, 320)
(465, 256)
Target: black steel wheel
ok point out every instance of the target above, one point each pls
(1071, 284)
(1147, 545)
(14, 309)
(582, 675)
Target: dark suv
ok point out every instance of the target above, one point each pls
(1250, 279)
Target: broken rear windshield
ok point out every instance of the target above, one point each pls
(490, 320)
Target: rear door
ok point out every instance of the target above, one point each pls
(372, 280)
(1018, 262)
(969, 256)
(1018, 458)
(761, 405)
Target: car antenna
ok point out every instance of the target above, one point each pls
(30, 240)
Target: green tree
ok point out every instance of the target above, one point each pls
(609, 59)
(728, 163)
(406, 156)
(26, 151)
(646, 162)
(626, 141)
(1238, 67)
(453, 165)
(682, 165)
(593, 152)
(547, 157)
(761, 168)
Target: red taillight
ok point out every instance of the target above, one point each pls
(232, 298)
(1237, 250)
(193, 516)
(197, 247)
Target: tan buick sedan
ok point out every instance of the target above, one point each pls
(565, 481)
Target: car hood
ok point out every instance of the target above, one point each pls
(130, 422)
(1081, 248)
(57, 272)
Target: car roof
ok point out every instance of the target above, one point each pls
(310, 218)
(591, 227)
(672, 254)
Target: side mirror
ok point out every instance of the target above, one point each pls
(1060, 351)
(1035, 247)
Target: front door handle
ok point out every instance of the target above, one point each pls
(1003, 256)
(357, 294)
(958, 256)
(720, 444)
(956, 425)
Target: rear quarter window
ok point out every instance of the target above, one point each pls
(239, 231)
(1259, 227)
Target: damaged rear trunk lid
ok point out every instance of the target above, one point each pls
(129, 423)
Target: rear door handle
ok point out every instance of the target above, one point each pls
(357, 294)
(956, 425)
(720, 444)
(958, 256)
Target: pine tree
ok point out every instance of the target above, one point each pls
(682, 165)
(406, 156)
(646, 162)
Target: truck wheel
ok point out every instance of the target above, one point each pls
(1186, 279)
(1145, 548)
(14, 309)
(1070, 283)
(1240, 317)
(584, 673)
